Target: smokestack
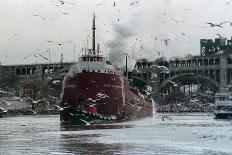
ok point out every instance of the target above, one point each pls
(93, 37)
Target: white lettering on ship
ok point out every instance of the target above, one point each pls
(114, 86)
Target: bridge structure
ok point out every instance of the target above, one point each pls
(210, 70)
(37, 70)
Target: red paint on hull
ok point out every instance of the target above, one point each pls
(82, 89)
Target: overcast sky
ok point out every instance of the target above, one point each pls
(136, 27)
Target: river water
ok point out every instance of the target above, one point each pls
(184, 134)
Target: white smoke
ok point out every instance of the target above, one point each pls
(133, 35)
(118, 45)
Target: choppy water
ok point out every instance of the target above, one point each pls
(186, 134)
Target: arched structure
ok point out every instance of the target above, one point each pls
(188, 78)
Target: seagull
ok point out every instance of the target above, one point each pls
(98, 97)
(33, 101)
(209, 92)
(213, 25)
(27, 56)
(101, 96)
(87, 123)
(64, 2)
(218, 25)
(59, 107)
(147, 92)
(196, 101)
(161, 68)
(18, 36)
(92, 100)
(65, 13)
(71, 114)
(99, 4)
(55, 42)
(174, 84)
(33, 112)
(136, 2)
(154, 75)
(166, 41)
(183, 34)
(59, 43)
(56, 82)
(2, 110)
(40, 16)
(228, 2)
(176, 21)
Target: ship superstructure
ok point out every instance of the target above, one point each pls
(95, 92)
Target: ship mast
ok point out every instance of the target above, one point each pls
(93, 37)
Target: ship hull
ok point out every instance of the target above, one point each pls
(101, 98)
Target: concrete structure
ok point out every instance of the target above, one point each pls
(211, 69)
(39, 71)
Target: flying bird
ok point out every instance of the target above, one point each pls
(228, 2)
(65, 13)
(33, 101)
(2, 110)
(60, 108)
(166, 41)
(55, 42)
(101, 96)
(59, 43)
(40, 16)
(154, 75)
(174, 84)
(62, 2)
(213, 25)
(87, 123)
(218, 25)
(148, 93)
(177, 21)
(135, 2)
(155, 68)
(18, 36)
(99, 4)
(27, 56)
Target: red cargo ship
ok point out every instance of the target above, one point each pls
(95, 92)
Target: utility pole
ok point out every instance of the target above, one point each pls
(126, 64)
(61, 58)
